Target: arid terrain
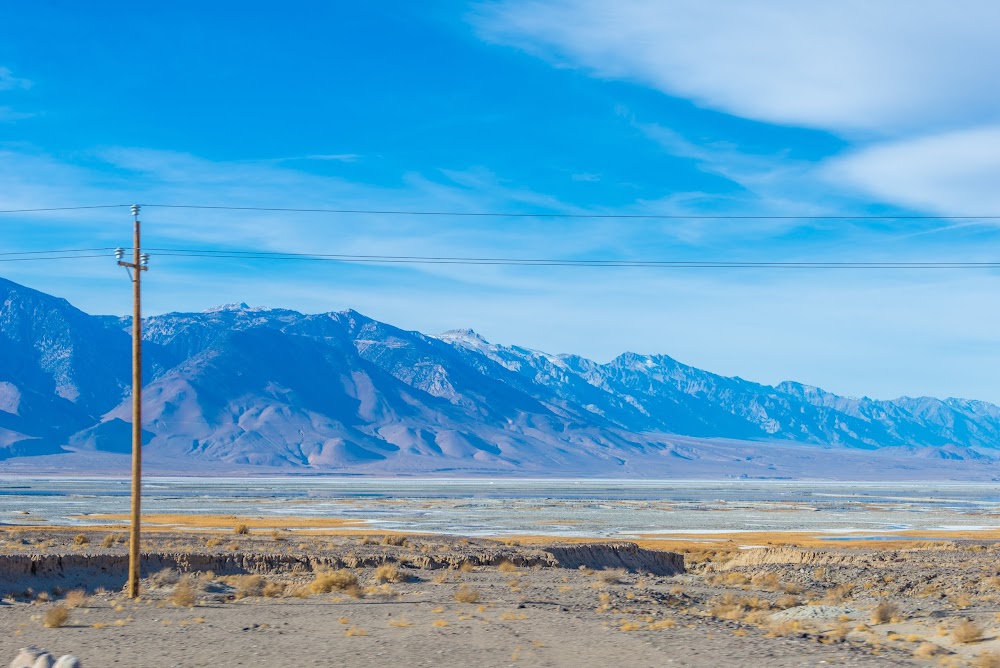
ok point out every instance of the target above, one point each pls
(253, 593)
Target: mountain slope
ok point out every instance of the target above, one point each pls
(248, 386)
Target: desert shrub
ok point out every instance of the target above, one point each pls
(249, 585)
(884, 612)
(440, 578)
(610, 576)
(233, 546)
(213, 542)
(786, 601)
(56, 617)
(184, 593)
(663, 624)
(389, 573)
(987, 660)
(278, 535)
(840, 593)
(274, 589)
(466, 594)
(440, 623)
(241, 530)
(507, 567)
(340, 580)
(108, 541)
(81, 539)
(76, 599)
(355, 631)
(394, 539)
(400, 623)
(966, 631)
(166, 576)
(467, 567)
(766, 581)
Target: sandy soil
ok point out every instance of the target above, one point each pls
(283, 598)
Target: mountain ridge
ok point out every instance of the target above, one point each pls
(270, 387)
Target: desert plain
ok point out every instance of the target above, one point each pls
(273, 591)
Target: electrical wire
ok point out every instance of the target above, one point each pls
(498, 214)
(65, 208)
(80, 253)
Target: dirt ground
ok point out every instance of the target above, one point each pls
(293, 600)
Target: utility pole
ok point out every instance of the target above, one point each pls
(140, 263)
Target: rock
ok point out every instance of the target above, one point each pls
(26, 657)
(68, 661)
(44, 660)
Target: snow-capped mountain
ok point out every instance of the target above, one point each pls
(241, 387)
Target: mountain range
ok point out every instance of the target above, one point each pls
(274, 390)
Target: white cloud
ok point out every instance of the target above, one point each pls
(951, 173)
(879, 67)
(9, 82)
(8, 115)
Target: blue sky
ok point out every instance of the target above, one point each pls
(567, 106)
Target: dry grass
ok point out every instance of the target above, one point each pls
(166, 576)
(440, 623)
(840, 593)
(56, 617)
(389, 573)
(108, 541)
(513, 616)
(395, 540)
(766, 581)
(467, 567)
(400, 623)
(241, 529)
(184, 594)
(213, 542)
(662, 624)
(233, 546)
(81, 539)
(440, 578)
(274, 589)
(987, 660)
(966, 632)
(730, 606)
(507, 567)
(248, 586)
(926, 650)
(76, 599)
(341, 580)
(884, 613)
(627, 626)
(355, 631)
(466, 594)
(610, 576)
(786, 601)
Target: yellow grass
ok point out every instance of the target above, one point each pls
(439, 623)
(389, 573)
(56, 617)
(966, 632)
(76, 599)
(355, 631)
(327, 581)
(466, 594)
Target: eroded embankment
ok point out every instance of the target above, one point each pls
(95, 570)
(786, 556)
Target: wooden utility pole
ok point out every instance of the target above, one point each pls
(139, 263)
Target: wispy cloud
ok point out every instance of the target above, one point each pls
(9, 115)
(880, 68)
(9, 82)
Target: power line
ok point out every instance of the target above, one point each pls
(81, 253)
(508, 214)
(54, 257)
(63, 250)
(64, 208)
(494, 214)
